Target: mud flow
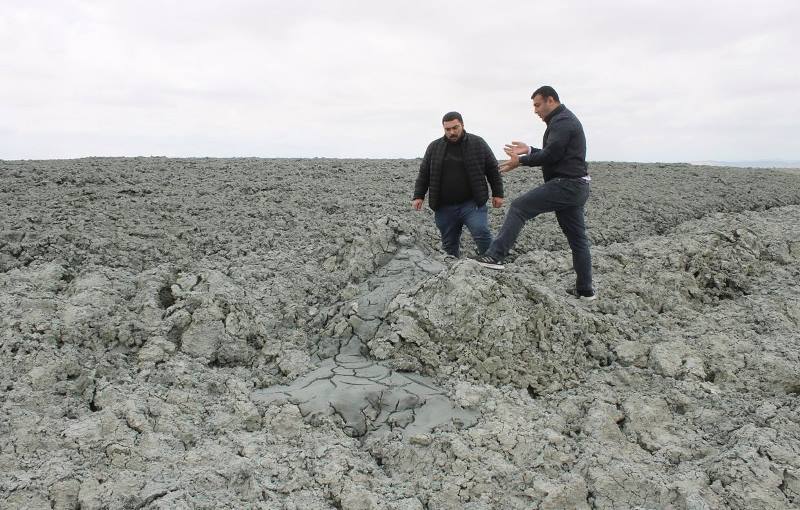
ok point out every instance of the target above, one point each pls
(288, 334)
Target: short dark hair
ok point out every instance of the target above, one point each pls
(546, 91)
(452, 116)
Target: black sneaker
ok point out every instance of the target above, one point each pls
(586, 295)
(488, 261)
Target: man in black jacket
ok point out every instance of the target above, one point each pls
(454, 172)
(565, 190)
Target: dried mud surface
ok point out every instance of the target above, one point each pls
(249, 333)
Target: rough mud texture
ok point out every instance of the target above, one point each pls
(205, 333)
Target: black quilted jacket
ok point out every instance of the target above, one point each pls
(479, 163)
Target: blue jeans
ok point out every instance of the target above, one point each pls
(451, 219)
(565, 197)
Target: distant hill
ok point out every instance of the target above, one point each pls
(751, 164)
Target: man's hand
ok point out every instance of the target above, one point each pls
(518, 148)
(416, 204)
(511, 164)
(497, 202)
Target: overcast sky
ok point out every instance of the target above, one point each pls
(658, 80)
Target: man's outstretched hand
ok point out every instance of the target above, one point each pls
(511, 164)
(518, 148)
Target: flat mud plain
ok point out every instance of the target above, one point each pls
(253, 333)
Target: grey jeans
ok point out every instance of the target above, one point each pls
(565, 197)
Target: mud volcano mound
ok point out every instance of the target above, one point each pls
(249, 333)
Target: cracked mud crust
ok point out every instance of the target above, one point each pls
(288, 334)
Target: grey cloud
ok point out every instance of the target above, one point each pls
(373, 79)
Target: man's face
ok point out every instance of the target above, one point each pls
(453, 129)
(543, 106)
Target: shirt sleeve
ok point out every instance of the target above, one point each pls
(492, 171)
(423, 178)
(554, 149)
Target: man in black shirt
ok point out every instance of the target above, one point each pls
(454, 172)
(565, 190)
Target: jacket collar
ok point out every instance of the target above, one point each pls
(555, 112)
